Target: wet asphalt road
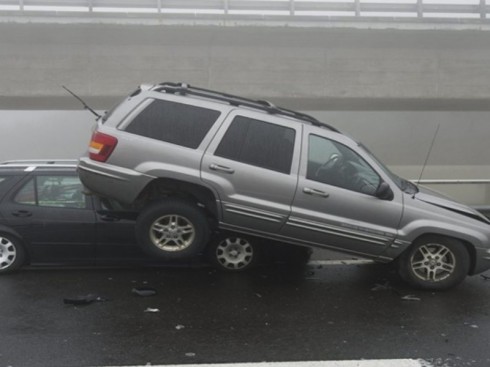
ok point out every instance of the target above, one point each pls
(278, 313)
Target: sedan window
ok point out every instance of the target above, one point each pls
(53, 191)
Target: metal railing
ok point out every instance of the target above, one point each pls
(475, 11)
(452, 181)
(474, 192)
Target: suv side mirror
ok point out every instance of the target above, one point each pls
(384, 192)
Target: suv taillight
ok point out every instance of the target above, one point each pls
(101, 146)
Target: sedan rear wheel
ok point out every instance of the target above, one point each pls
(12, 254)
(233, 252)
(435, 263)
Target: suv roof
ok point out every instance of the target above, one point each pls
(184, 89)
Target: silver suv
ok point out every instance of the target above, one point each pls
(198, 162)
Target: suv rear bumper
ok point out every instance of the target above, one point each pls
(112, 181)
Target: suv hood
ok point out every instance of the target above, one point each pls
(433, 197)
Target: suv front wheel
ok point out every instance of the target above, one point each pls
(435, 263)
(172, 228)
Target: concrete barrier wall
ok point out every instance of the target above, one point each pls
(305, 68)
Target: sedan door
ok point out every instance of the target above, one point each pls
(115, 234)
(335, 204)
(54, 218)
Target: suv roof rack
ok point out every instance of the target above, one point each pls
(183, 89)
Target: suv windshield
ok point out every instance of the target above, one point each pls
(403, 184)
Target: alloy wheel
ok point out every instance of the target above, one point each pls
(433, 262)
(172, 233)
(234, 253)
(8, 253)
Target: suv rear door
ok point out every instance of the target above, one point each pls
(252, 164)
(335, 204)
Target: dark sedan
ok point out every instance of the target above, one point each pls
(47, 218)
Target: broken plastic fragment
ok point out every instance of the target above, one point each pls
(83, 300)
(152, 310)
(410, 297)
(144, 291)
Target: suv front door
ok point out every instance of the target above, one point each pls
(252, 164)
(335, 204)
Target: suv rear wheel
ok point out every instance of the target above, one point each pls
(434, 262)
(172, 228)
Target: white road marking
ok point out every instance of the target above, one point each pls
(357, 363)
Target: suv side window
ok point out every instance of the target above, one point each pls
(258, 143)
(174, 123)
(53, 191)
(335, 164)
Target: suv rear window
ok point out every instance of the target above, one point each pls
(174, 123)
(258, 143)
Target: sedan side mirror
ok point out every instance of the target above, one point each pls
(384, 192)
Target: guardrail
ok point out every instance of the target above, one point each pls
(280, 10)
(452, 181)
(474, 192)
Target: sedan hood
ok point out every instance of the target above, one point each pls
(435, 198)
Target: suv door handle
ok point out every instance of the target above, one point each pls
(217, 167)
(315, 192)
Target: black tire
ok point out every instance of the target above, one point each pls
(233, 252)
(434, 263)
(172, 229)
(12, 253)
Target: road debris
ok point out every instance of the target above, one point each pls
(152, 310)
(410, 297)
(83, 300)
(144, 291)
